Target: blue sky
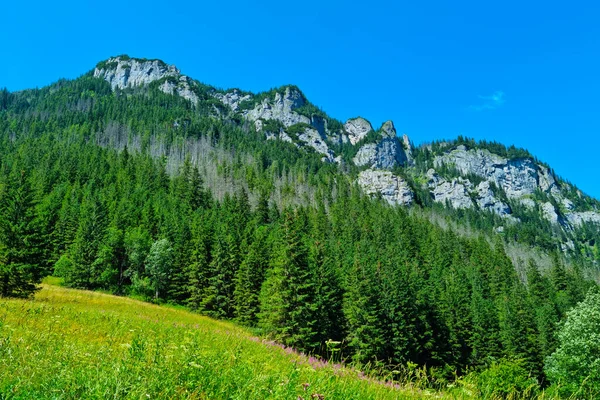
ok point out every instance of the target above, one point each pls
(523, 73)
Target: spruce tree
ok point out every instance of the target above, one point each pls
(20, 240)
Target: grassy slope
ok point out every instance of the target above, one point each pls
(78, 344)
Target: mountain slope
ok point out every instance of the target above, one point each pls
(260, 208)
(71, 344)
(484, 177)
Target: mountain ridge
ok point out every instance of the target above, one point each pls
(136, 179)
(307, 126)
(499, 186)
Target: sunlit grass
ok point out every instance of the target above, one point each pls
(71, 344)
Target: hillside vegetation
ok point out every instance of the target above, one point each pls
(72, 344)
(138, 181)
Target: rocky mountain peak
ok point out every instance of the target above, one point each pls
(280, 108)
(357, 128)
(388, 130)
(123, 72)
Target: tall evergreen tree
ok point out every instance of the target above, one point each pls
(20, 239)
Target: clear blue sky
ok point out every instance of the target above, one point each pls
(519, 72)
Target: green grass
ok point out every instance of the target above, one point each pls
(72, 344)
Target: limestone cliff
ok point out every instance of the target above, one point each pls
(123, 72)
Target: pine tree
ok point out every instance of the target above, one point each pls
(287, 302)
(546, 312)
(328, 298)
(84, 251)
(362, 311)
(198, 270)
(250, 277)
(20, 239)
(111, 261)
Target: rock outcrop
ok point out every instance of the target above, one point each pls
(518, 178)
(232, 98)
(387, 153)
(357, 129)
(391, 187)
(124, 72)
(578, 218)
(460, 193)
(281, 108)
(407, 148)
(313, 139)
(182, 88)
(487, 201)
(454, 192)
(549, 212)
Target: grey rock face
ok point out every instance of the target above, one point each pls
(454, 191)
(357, 129)
(282, 135)
(280, 109)
(407, 148)
(367, 154)
(312, 138)
(527, 202)
(130, 73)
(338, 138)
(388, 130)
(487, 201)
(392, 188)
(546, 181)
(578, 218)
(127, 73)
(518, 177)
(232, 98)
(568, 204)
(385, 154)
(181, 88)
(549, 212)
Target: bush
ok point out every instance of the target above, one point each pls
(505, 379)
(575, 365)
(63, 266)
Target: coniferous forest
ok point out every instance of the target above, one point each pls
(266, 235)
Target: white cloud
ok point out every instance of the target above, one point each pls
(491, 102)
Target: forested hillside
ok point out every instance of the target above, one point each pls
(168, 190)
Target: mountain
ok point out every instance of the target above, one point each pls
(454, 258)
(462, 174)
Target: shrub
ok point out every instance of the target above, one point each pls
(575, 365)
(505, 379)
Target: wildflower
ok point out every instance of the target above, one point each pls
(306, 386)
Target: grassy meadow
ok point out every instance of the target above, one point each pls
(72, 344)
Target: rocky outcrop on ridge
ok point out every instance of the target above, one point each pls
(392, 188)
(517, 178)
(486, 200)
(281, 108)
(460, 193)
(232, 98)
(549, 212)
(357, 129)
(455, 192)
(520, 179)
(313, 139)
(578, 218)
(387, 153)
(125, 72)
